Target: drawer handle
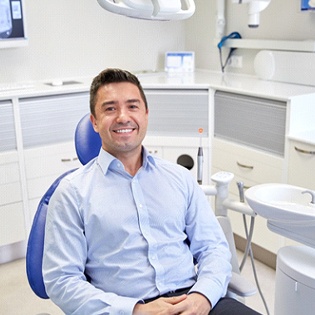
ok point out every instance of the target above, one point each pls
(245, 166)
(65, 160)
(304, 151)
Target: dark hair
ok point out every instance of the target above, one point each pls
(108, 76)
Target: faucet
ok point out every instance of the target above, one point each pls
(240, 186)
(312, 193)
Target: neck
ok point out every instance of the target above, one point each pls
(131, 162)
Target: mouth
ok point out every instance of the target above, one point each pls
(124, 131)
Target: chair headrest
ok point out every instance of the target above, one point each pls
(87, 142)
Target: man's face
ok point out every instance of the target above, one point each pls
(121, 118)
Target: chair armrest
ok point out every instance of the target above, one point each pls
(241, 286)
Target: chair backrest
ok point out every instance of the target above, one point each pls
(87, 144)
(87, 141)
(35, 245)
(227, 229)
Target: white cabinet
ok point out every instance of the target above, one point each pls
(51, 119)
(301, 170)
(249, 141)
(48, 125)
(295, 281)
(251, 167)
(12, 224)
(43, 165)
(175, 116)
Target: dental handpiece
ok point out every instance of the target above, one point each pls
(200, 159)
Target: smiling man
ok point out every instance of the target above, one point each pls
(123, 232)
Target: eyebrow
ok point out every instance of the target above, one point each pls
(132, 100)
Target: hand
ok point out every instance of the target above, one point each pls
(159, 306)
(195, 304)
(192, 304)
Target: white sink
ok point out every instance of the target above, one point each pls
(288, 210)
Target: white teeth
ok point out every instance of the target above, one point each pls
(123, 130)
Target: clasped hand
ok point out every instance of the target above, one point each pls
(192, 304)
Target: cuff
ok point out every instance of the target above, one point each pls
(124, 305)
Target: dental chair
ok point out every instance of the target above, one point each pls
(88, 144)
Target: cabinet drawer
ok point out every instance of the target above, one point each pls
(10, 186)
(252, 166)
(9, 168)
(301, 164)
(43, 165)
(50, 160)
(12, 227)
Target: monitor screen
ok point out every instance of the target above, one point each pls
(12, 24)
(307, 5)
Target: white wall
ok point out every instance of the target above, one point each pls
(78, 38)
(281, 20)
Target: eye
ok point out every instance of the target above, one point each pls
(110, 109)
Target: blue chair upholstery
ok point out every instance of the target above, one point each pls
(35, 245)
(87, 141)
(87, 144)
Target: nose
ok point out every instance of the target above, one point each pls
(122, 116)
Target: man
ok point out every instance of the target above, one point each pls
(124, 231)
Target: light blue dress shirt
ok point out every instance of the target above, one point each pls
(132, 237)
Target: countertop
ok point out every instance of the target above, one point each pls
(200, 79)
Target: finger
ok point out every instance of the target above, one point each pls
(176, 299)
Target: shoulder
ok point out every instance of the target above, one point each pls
(79, 176)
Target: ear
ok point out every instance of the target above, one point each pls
(94, 123)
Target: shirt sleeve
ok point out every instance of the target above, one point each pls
(209, 248)
(65, 254)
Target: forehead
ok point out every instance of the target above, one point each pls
(121, 90)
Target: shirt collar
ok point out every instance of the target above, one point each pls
(106, 161)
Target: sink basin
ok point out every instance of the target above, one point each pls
(282, 202)
(288, 211)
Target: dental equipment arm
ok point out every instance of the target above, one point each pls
(162, 10)
(254, 9)
(238, 284)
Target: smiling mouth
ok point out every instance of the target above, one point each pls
(127, 130)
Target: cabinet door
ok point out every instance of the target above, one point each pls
(51, 119)
(43, 165)
(12, 223)
(302, 164)
(178, 113)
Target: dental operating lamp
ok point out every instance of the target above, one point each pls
(161, 10)
(254, 9)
